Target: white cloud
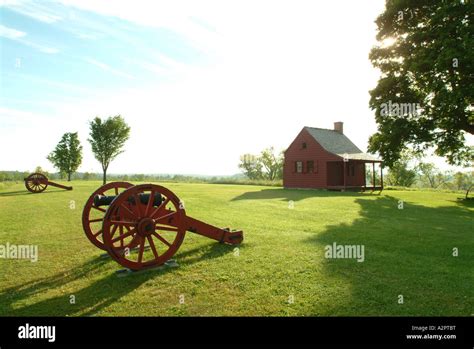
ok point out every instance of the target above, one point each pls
(161, 65)
(159, 14)
(19, 36)
(62, 85)
(108, 68)
(11, 33)
(35, 10)
(85, 36)
(8, 113)
(42, 48)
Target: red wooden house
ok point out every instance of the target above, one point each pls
(323, 158)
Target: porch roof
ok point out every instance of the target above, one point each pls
(360, 157)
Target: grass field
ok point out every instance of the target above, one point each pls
(279, 270)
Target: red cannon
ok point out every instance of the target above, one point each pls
(38, 182)
(143, 226)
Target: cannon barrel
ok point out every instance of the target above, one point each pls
(106, 200)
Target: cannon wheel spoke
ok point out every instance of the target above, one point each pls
(160, 227)
(98, 208)
(98, 232)
(163, 218)
(141, 249)
(123, 235)
(160, 208)
(129, 211)
(153, 247)
(151, 199)
(162, 239)
(114, 230)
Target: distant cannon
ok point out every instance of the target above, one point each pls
(143, 226)
(38, 182)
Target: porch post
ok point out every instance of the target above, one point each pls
(381, 175)
(365, 175)
(373, 176)
(344, 174)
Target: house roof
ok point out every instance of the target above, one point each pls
(337, 143)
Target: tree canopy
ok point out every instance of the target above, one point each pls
(67, 156)
(268, 165)
(426, 59)
(107, 139)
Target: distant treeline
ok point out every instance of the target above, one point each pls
(16, 176)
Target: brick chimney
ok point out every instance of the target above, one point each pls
(339, 127)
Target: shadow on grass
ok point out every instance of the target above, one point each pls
(462, 201)
(26, 192)
(408, 252)
(97, 295)
(295, 194)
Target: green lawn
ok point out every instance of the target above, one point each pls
(407, 252)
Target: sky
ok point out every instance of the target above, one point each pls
(199, 82)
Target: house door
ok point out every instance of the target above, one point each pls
(335, 172)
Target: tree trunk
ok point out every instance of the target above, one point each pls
(104, 178)
(467, 192)
(69, 176)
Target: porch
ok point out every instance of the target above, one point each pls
(353, 175)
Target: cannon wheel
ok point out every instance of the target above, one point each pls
(36, 182)
(92, 223)
(159, 230)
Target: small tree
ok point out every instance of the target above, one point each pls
(107, 139)
(39, 169)
(459, 180)
(464, 181)
(400, 174)
(272, 163)
(267, 165)
(429, 174)
(67, 156)
(251, 166)
(469, 184)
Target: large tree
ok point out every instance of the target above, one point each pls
(107, 139)
(426, 58)
(67, 156)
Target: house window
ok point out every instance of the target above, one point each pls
(303, 146)
(310, 166)
(316, 169)
(298, 166)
